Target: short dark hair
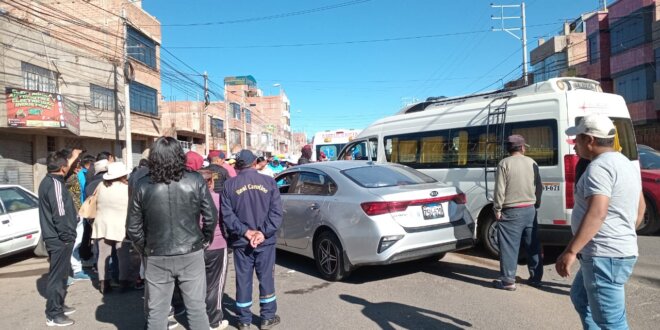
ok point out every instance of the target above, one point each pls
(604, 142)
(57, 159)
(87, 160)
(260, 159)
(510, 148)
(104, 155)
(167, 161)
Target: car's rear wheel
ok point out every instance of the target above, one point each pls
(488, 235)
(650, 224)
(329, 257)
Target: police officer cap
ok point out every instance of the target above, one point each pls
(246, 156)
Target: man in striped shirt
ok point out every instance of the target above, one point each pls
(58, 219)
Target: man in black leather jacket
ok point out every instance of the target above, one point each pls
(163, 224)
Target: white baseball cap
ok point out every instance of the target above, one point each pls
(595, 125)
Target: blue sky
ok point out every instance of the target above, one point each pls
(347, 79)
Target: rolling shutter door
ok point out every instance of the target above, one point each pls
(16, 165)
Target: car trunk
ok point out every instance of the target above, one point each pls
(427, 204)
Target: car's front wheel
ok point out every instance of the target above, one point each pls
(329, 257)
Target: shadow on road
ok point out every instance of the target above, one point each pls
(296, 262)
(123, 310)
(387, 314)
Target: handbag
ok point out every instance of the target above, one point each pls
(88, 209)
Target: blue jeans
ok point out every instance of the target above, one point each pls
(598, 294)
(519, 224)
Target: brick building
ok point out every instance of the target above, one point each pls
(82, 54)
(623, 53)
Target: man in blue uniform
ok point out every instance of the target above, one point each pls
(252, 213)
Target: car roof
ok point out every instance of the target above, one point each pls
(339, 165)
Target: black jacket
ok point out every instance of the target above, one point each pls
(163, 219)
(91, 184)
(220, 175)
(57, 214)
(251, 201)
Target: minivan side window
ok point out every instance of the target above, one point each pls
(467, 147)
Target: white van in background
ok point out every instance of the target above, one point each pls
(330, 142)
(459, 141)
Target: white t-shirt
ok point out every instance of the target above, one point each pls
(611, 174)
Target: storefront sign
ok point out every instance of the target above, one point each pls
(27, 108)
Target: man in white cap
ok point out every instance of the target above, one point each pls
(608, 206)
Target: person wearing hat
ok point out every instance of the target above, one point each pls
(305, 155)
(252, 214)
(609, 205)
(57, 219)
(194, 160)
(220, 173)
(109, 226)
(516, 197)
(275, 166)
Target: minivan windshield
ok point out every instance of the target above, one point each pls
(386, 176)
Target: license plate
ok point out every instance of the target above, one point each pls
(432, 211)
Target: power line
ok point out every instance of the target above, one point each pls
(271, 17)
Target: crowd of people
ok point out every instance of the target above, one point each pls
(168, 226)
(165, 227)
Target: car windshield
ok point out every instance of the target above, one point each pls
(649, 159)
(386, 176)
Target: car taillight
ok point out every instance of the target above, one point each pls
(378, 208)
(570, 161)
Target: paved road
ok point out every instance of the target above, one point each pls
(454, 293)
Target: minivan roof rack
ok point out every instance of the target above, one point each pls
(446, 100)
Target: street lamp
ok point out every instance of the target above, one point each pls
(278, 85)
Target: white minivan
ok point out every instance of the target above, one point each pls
(459, 141)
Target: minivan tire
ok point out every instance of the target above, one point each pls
(329, 257)
(488, 235)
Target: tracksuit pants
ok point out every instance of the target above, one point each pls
(216, 275)
(246, 262)
(58, 273)
(76, 262)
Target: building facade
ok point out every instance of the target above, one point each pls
(622, 51)
(83, 60)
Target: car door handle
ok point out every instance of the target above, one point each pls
(4, 222)
(314, 206)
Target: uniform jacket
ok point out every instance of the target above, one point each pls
(251, 201)
(57, 214)
(163, 219)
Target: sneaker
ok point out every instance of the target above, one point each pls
(81, 276)
(70, 280)
(68, 310)
(180, 312)
(59, 321)
(243, 326)
(268, 324)
(499, 284)
(223, 325)
(171, 324)
(139, 285)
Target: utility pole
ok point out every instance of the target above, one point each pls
(523, 30)
(127, 100)
(227, 104)
(206, 115)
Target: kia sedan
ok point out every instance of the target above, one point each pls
(347, 214)
(19, 220)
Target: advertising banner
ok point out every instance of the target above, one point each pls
(26, 108)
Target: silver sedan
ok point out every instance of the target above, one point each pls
(346, 214)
